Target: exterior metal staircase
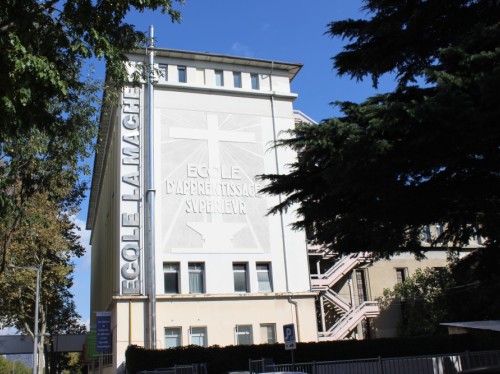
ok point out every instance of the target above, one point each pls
(343, 317)
(339, 270)
(368, 309)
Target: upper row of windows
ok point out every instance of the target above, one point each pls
(171, 274)
(218, 77)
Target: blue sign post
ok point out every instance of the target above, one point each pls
(103, 331)
(290, 342)
(289, 334)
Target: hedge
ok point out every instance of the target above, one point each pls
(235, 358)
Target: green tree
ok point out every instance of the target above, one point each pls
(45, 238)
(48, 105)
(423, 302)
(477, 281)
(426, 153)
(16, 367)
(465, 290)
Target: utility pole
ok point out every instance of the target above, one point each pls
(36, 331)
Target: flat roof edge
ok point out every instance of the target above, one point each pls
(292, 67)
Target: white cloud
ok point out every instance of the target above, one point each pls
(84, 241)
(8, 331)
(241, 49)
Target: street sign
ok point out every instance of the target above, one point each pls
(103, 324)
(289, 334)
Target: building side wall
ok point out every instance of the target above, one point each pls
(382, 275)
(104, 265)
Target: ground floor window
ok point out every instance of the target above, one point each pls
(244, 335)
(268, 333)
(198, 336)
(172, 337)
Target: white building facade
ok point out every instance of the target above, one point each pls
(210, 267)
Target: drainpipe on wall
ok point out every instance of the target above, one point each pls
(151, 197)
(296, 305)
(273, 118)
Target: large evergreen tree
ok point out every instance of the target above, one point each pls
(426, 153)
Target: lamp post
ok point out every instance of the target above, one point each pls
(37, 304)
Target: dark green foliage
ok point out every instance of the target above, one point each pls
(466, 290)
(423, 301)
(48, 101)
(235, 358)
(477, 282)
(426, 153)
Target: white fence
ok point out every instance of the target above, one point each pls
(436, 364)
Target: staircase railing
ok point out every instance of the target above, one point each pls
(350, 320)
(336, 299)
(338, 270)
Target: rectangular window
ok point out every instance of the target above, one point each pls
(427, 234)
(478, 238)
(244, 335)
(439, 230)
(171, 277)
(400, 275)
(268, 333)
(237, 79)
(240, 277)
(264, 278)
(172, 337)
(196, 277)
(163, 72)
(182, 74)
(361, 286)
(254, 78)
(200, 77)
(219, 78)
(198, 336)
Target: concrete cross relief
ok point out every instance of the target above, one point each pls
(215, 233)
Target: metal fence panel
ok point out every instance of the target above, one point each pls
(437, 364)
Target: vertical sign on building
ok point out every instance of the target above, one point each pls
(289, 335)
(130, 191)
(103, 331)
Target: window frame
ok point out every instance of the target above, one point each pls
(254, 81)
(179, 336)
(237, 82)
(205, 335)
(401, 275)
(163, 68)
(201, 271)
(219, 74)
(274, 338)
(238, 333)
(267, 272)
(182, 73)
(171, 271)
(242, 269)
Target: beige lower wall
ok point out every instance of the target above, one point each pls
(219, 314)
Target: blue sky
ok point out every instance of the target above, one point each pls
(287, 31)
